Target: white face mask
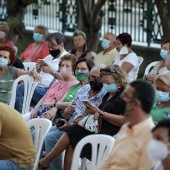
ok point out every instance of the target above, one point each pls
(157, 150)
(123, 50)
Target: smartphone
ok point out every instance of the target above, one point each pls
(59, 123)
(86, 102)
(42, 62)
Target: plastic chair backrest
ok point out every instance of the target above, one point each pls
(41, 127)
(29, 87)
(149, 67)
(29, 66)
(101, 147)
(140, 60)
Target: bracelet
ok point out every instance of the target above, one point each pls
(101, 114)
(55, 102)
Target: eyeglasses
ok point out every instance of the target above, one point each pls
(81, 69)
(107, 70)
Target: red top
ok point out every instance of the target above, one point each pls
(40, 52)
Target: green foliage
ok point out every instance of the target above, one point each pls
(13, 23)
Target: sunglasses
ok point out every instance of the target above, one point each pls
(107, 70)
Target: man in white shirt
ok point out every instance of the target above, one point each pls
(48, 71)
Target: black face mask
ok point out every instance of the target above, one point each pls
(55, 53)
(95, 85)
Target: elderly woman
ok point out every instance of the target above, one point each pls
(3, 35)
(161, 141)
(58, 88)
(161, 107)
(126, 59)
(8, 74)
(38, 49)
(80, 50)
(114, 80)
(161, 65)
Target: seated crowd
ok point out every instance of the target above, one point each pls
(73, 85)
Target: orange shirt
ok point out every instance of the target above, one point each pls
(42, 50)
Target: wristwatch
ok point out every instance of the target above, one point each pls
(54, 72)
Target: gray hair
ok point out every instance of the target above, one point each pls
(43, 28)
(79, 32)
(98, 66)
(57, 36)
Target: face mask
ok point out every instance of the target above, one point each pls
(105, 44)
(55, 53)
(95, 85)
(81, 76)
(164, 54)
(123, 50)
(2, 34)
(162, 96)
(110, 88)
(65, 73)
(37, 37)
(157, 150)
(3, 62)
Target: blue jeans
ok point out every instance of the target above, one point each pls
(9, 165)
(37, 95)
(51, 139)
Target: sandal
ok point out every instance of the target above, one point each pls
(42, 167)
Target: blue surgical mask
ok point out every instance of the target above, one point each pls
(164, 54)
(37, 37)
(162, 96)
(105, 44)
(3, 62)
(110, 87)
(81, 76)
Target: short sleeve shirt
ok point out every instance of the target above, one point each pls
(6, 83)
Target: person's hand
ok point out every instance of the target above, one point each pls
(50, 114)
(33, 114)
(71, 109)
(47, 69)
(38, 66)
(150, 77)
(91, 108)
(49, 105)
(65, 126)
(44, 163)
(36, 76)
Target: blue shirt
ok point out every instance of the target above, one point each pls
(83, 94)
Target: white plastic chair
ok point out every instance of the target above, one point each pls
(41, 127)
(29, 66)
(150, 66)
(101, 147)
(29, 87)
(140, 60)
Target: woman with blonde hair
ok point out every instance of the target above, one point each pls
(110, 111)
(161, 107)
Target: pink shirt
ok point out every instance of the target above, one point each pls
(42, 51)
(57, 92)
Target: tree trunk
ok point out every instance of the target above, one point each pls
(90, 21)
(164, 13)
(16, 11)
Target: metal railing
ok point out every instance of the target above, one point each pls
(137, 17)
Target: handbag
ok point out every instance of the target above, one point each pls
(91, 122)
